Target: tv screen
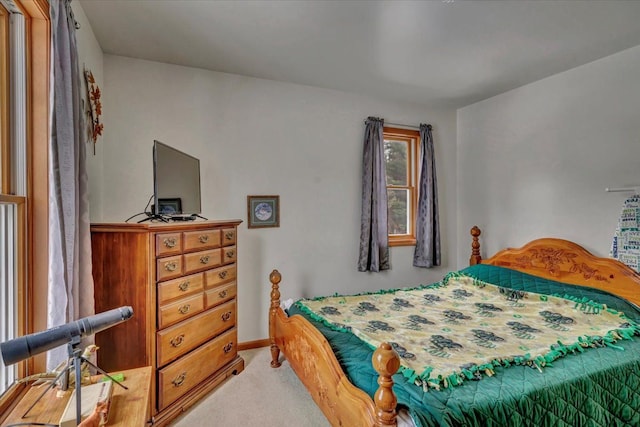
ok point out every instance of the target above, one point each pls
(176, 181)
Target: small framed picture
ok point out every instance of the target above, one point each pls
(263, 211)
(170, 206)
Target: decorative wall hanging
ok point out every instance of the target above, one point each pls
(94, 126)
(626, 240)
(263, 211)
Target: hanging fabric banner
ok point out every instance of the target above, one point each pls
(626, 241)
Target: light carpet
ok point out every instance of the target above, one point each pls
(258, 396)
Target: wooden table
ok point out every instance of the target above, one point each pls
(129, 408)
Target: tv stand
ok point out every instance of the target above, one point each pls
(182, 217)
(168, 218)
(154, 217)
(185, 217)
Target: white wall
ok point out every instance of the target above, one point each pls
(535, 161)
(256, 137)
(91, 58)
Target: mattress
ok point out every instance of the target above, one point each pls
(599, 387)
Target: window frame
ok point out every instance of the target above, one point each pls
(5, 171)
(412, 138)
(32, 208)
(15, 277)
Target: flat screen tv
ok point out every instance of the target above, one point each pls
(176, 182)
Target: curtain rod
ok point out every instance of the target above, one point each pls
(401, 125)
(625, 189)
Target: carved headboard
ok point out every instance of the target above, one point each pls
(567, 262)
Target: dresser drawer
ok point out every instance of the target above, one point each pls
(219, 294)
(179, 288)
(220, 275)
(168, 267)
(182, 375)
(168, 244)
(198, 240)
(201, 260)
(228, 236)
(183, 337)
(229, 254)
(180, 310)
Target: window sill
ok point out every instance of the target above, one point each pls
(11, 398)
(403, 241)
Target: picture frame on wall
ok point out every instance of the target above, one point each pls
(263, 211)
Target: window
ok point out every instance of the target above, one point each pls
(11, 209)
(401, 154)
(4, 97)
(24, 103)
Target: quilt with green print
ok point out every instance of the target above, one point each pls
(462, 327)
(591, 380)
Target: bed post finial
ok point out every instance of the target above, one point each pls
(274, 278)
(386, 362)
(475, 246)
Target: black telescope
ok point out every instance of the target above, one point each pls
(15, 350)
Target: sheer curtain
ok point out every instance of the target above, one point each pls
(70, 282)
(374, 238)
(427, 252)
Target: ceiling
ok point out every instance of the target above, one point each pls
(447, 53)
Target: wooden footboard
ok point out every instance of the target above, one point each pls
(311, 357)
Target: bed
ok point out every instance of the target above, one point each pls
(351, 393)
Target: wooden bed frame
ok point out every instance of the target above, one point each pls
(312, 359)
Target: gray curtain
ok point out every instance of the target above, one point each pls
(374, 237)
(427, 252)
(70, 294)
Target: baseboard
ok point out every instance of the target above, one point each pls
(253, 344)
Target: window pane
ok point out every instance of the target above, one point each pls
(8, 282)
(395, 155)
(398, 211)
(4, 96)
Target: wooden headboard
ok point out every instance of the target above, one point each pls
(567, 262)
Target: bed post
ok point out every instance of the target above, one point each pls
(386, 362)
(475, 246)
(275, 278)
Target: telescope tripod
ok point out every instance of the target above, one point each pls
(73, 362)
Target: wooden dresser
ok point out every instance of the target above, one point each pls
(180, 279)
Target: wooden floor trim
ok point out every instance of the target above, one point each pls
(253, 344)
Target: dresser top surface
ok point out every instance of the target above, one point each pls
(163, 226)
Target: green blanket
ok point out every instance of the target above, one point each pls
(598, 387)
(461, 328)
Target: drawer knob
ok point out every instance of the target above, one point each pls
(184, 286)
(231, 254)
(203, 238)
(227, 348)
(223, 294)
(179, 380)
(222, 274)
(170, 242)
(204, 259)
(185, 309)
(177, 341)
(171, 266)
(229, 235)
(226, 316)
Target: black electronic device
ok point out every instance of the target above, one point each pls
(176, 182)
